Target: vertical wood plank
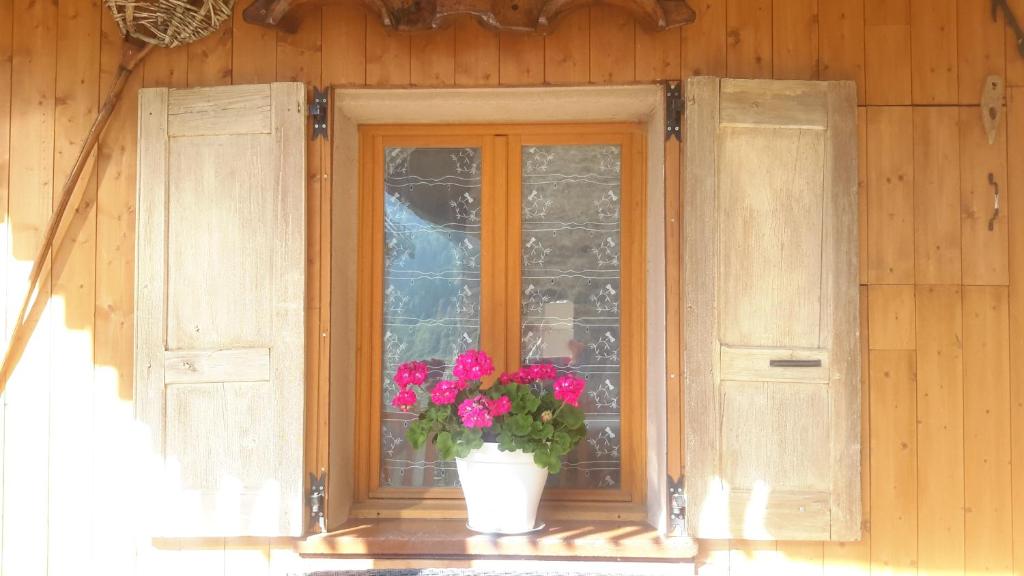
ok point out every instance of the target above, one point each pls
(937, 195)
(253, 51)
(344, 49)
(209, 59)
(890, 195)
(476, 54)
(985, 252)
(795, 39)
(657, 55)
(567, 49)
(749, 48)
(1015, 141)
(933, 51)
(432, 58)
(893, 462)
(841, 42)
(72, 444)
(987, 485)
(115, 536)
(33, 65)
(940, 429)
(980, 47)
(673, 306)
(854, 558)
(166, 68)
(703, 43)
(1014, 59)
(612, 45)
(520, 59)
(887, 62)
(802, 558)
(891, 317)
(862, 194)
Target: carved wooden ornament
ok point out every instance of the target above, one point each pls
(505, 15)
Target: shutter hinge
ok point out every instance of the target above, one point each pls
(316, 502)
(674, 111)
(318, 112)
(677, 506)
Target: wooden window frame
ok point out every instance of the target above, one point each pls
(352, 108)
(501, 148)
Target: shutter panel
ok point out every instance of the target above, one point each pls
(771, 297)
(219, 306)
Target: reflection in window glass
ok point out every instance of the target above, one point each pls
(431, 288)
(570, 291)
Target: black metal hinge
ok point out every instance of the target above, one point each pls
(316, 502)
(677, 506)
(318, 112)
(674, 111)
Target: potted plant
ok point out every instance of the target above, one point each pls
(505, 436)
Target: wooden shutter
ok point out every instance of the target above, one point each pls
(771, 299)
(219, 307)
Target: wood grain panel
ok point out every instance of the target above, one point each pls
(567, 50)
(253, 58)
(795, 40)
(388, 55)
(936, 195)
(940, 428)
(980, 47)
(432, 58)
(704, 42)
(894, 476)
(887, 61)
(890, 195)
(933, 49)
(1015, 141)
(985, 252)
(613, 56)
(210, 58)
(987, 484)
(657, 55)
(520, 59)
(344, 45)
(749, 33)
(476, 54)
(166, 68)
(891, 314)
(73, 280)
(841, 42)
(862, 193)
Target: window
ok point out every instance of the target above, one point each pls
(525, 241)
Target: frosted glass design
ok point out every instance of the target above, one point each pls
(431, 288)
(570, 291)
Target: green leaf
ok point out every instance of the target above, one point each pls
(445, 445)
(417, 434)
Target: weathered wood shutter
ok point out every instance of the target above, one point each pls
(771, 304)
(219, 309)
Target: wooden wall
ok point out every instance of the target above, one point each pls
(943, 314)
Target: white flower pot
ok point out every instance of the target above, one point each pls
(502, 489)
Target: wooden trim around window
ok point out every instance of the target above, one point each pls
(500, 145)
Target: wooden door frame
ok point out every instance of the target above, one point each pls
(358, 106)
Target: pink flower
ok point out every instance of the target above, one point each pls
(568, 389)
(472, 365)
(411, 374)
(529, 374)
(404, 399)
(474, 413)
(445, 391)
(498, 406)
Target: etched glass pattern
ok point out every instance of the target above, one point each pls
(570, 291)
(431, 288)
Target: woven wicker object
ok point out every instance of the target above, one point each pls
(169, 23)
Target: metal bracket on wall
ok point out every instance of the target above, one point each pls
(318, 112)
(317, 490)
(674, 111)
(1011, 21)
(677, 506)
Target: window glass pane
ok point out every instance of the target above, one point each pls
(570, 290)
(431, 288)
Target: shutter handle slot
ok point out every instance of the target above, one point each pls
(795, 363)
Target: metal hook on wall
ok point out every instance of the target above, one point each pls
(995, 212)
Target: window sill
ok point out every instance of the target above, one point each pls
(420, 538)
